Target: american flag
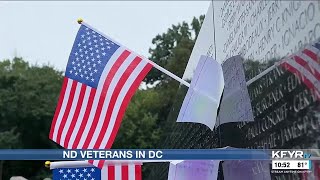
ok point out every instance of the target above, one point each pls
(100, 79)
(109, 172)
(306, 66)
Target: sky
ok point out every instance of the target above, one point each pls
(43, 32)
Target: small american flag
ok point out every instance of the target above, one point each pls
(100, 79)
(306, 66)
(110, 172)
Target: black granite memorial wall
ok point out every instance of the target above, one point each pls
(285, 105)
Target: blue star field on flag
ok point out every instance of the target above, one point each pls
(89, 55)
(82, 173)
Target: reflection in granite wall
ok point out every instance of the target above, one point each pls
(286, 117)
(286, 110)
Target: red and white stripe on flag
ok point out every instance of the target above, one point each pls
(100, 79)
(306, 66)
(121, 172)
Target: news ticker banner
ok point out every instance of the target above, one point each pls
(160, 154)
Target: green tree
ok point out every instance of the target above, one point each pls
(28, 96)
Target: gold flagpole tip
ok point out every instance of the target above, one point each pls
(80, 20)
(47, 164)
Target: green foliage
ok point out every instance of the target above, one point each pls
(196, 24)
(28, 96)
(9, 139)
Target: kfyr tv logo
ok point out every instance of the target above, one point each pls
(290, 155)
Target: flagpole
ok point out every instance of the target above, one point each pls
(169, 73)
(175, 77)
